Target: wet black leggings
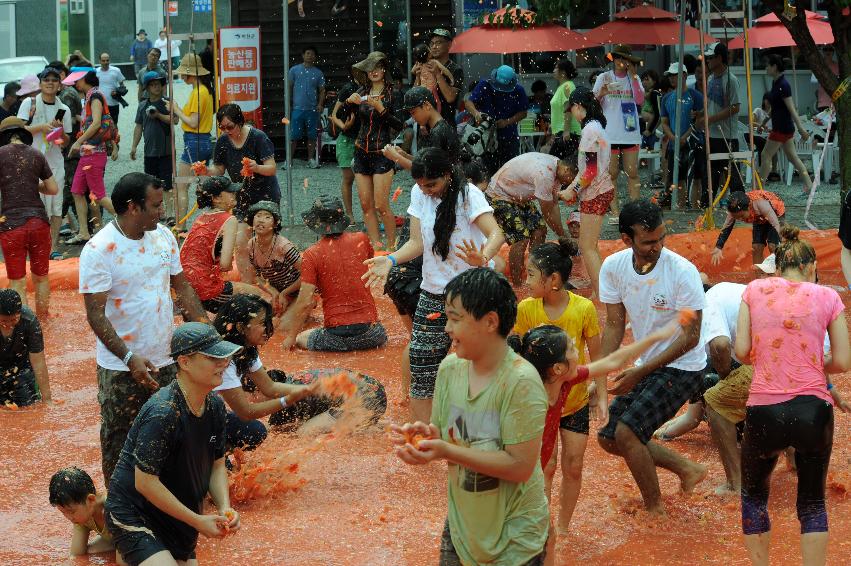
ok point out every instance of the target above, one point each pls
(804, 423)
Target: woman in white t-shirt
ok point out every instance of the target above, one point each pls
(161, 43)
(592, 185)
(290, 400)
(621, 95)
(453, 228)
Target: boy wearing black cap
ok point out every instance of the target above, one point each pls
(173, 457)
(448, 92)
(434, 130)
(49, 121)
(333, 267)
(154, 121)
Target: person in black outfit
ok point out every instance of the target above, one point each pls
(434, 130)
(173, 457)
(23, 369)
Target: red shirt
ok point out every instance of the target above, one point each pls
(548, 442)
(335, 266)
(199, 263)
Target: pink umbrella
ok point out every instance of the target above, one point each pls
(513, 31)
(770, 32)
(645, 25)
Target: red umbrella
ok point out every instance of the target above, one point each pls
(770, 32)
(645, 25)
(513, 31)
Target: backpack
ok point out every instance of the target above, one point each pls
(108, 132)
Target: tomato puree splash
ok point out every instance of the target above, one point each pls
(346, 499)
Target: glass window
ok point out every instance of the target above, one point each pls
(77, 6)
(391, 36)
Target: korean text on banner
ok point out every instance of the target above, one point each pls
(239, 79)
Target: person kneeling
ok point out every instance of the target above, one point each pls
(333, 267)
(173, 457)
(73, 492)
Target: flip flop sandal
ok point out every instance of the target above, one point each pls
(58, 256)
(76, 241)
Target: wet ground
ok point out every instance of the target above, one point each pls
(359, 505)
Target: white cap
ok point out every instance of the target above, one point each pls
(573, 217)
(675, 69)
(768, 265)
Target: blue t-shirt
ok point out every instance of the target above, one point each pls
(781, 118)
(500, 105)
(306, 83)
(691, 101)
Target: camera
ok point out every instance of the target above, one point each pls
(151, 110)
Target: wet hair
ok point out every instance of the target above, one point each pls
(543, 347)
(539, 86)
(653, 75)
(69, 486)
(792, 252)
(133, 187)
(473, 169)
(232, 112)
(231, 319)
(433, 163)
(420, 53)
(555, 257)
(641, 211)
(664, 84)
(690, 62)
(483, 290)
(776, 60)
(10, 302)
(307, 48)
(59, 66)
(567, 67)
(738, 202)
(91, 78)
(586, 99)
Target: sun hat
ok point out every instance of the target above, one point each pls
(266, 206)
(191, 65)
(675, 69)
(326, 217)
(361, 69)
(14, 125)
(72, 78)
(29, 85)
(768, 265)
(198, 337)
(156, 75)
(503, 79)
(624, 51)
(218, 184)
(417, 96)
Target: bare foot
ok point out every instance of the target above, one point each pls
(657, 511)
(726, 490)
(695, 474)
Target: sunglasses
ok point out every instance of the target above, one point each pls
(228, 127)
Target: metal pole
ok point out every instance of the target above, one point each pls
(704, 28)
(747, 20)
(171, 122)
(287, 111)
(678, 111)
(215, 64)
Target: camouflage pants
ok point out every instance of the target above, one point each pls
(120, 398)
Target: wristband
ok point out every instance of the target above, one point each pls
(392, 260)
(283, 401)
(829, 386)
(127, 356)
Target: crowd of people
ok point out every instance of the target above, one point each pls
(525, 375)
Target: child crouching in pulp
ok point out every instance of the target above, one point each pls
(73, 492)
(487, 420)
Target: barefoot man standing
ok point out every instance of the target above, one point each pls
(650, 284)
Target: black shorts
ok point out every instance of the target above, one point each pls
(577, 422)
(19, 388)
(213, 305)
(652, 402)
(370, 163)
(845, 221)
(764, 233)
(160, 167)
(136, 542)
(403, 286)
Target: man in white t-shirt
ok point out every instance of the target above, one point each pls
(110, 79)
(621, 95)
(651, 285)
(127, 273)
(513, 191)
(50, 123)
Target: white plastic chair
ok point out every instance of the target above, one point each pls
(653, 156)
(803, 149)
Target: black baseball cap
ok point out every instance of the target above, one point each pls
(417, 96)
(197, 337)
(216, 185)
(442, 32)
(49, 71)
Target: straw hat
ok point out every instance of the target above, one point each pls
(625, 51)
(361, 70)
(191, 65)
(14, 126)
